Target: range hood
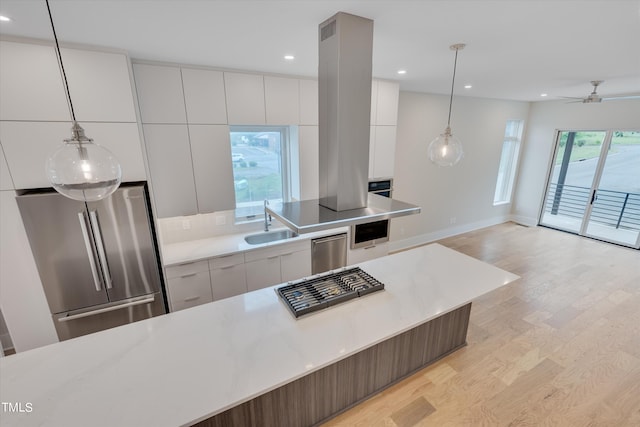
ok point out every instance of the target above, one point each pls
(344, 95)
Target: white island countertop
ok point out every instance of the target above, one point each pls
(184, 367)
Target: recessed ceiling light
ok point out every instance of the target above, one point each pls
(468, 86)
(543, 94)
(402, 71)
(289, 57)
(4, 18)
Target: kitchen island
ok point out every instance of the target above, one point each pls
(189, 366)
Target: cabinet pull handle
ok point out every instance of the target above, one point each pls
(273, 257)
(191, 299)
(290, 253)
(89, 247)
(188, 275)
(227, 267)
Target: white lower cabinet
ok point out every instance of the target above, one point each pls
(228, 277)
(295, 265)
(277, 264)
(188, 285)
(263, 272)
(355, 256)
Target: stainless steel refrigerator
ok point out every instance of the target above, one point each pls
(98, 261)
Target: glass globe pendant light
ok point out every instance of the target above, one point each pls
(81, 169)
(446, 149)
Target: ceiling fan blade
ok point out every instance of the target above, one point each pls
(570, 97)
(580, 101)
(613, 98)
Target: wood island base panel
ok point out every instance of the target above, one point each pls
(325, 393)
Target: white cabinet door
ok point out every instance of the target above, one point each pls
(262, 273)
(309, 102)
(27, 145)
(6, 183)
(387, 103)
(309, 162)
(245, 98)
(171, 170)
(374, 102)
(204, 96)
(31, 83)
(123, 140)
(384, 152)
(282, 98)
(160, 93)
(372, 150)
(189, 290)
(355, 256)
(228, 281)
(100, 85)
(211, 152)
(295, 265)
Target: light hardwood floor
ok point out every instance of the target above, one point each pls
(558, 347)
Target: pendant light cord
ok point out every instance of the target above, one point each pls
(61, 65)
(455, 63)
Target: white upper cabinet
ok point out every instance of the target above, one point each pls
(383, 152)
(100, 85)
(211, 153)
(204, 96)
(282, 96)
(31, 83)
(171, 169)
(309, 158)
(160, 94)
(27, 145)
(387, 103)
(123, 140)
(245, 99)
(374, 102)
(6, 183)
(309, 102)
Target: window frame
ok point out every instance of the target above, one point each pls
(285, 167)
(510, 152)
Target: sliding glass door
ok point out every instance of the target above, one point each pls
(594, 186)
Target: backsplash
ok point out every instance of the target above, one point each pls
(202, 226)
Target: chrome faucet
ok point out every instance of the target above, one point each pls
(266, 223)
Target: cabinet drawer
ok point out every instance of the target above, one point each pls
(277, 250)
(188, 268)
(190, 290)
(228, 281)
(226, 261)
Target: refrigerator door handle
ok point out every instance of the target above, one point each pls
(102, 255)
(90, 252)
(106, 309)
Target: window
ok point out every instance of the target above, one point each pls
(260, 159)
(508, 161)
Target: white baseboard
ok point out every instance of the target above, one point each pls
(423, 239)
(524, 220)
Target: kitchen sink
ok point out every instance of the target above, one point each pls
(270, 236)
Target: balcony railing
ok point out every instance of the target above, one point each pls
(611, 208)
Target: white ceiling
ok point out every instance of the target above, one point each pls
(516, 49)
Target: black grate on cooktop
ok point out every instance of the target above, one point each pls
(324, 291)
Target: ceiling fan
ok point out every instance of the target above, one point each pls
(594, 97)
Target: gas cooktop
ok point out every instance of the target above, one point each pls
(309, 295)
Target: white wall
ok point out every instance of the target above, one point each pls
(459, 198)
(544, 119)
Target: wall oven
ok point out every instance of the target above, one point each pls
(373, 233)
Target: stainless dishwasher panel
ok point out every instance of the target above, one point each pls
(328, 253)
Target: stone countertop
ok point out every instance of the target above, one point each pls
(196, 250)
(186, 366)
